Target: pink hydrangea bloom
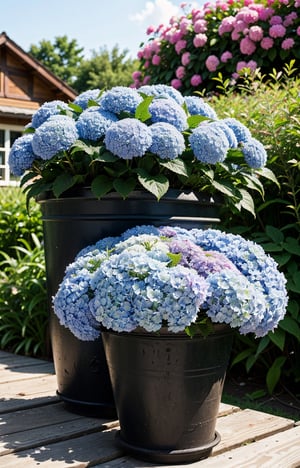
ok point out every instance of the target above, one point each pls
(136, 75)
(184, 25)
(212, 63)
(247, 47)
(277, 30)
(196, 80)
(247, 15)
(200, 40)
(252, 65)
(176, 83)
(226, 56)
(276, 19)
(288, 43)
(298, 31)
(267, 43)
(226, 25)
(200, 26)
(180, 45)
(150, 30)
(241, 65)
(235, 35)
(147, 79)
(156, 59)
(180, 72)
(289, 19)
(265, 13)
(185, 59)
(256, 33)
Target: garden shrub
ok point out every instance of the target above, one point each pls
(23, 297)
(226, 36)
(271, 109)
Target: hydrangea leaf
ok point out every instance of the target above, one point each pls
(101, 185)
(142, 111)
(124, 187)
(62, 183)
(176, 165)
(158, 185)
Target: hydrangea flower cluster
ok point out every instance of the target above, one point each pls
(225, 36)
(152, 277)
(125, 139)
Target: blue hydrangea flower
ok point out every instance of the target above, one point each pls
(55, 135)
(47, 110)
(128, 138)
(254, 153)
(227, 130)
(94, 122)
(197, 106)
(167, 110)
(209, 144)
(164, 91)
(21, 155)
(120, 99)
(167, 141)
(83, 99)
(240, 130)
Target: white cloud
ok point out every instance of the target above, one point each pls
(155, 12)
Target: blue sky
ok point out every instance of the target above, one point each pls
(93, 23)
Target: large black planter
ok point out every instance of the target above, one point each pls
(167, 390)
(70, 224)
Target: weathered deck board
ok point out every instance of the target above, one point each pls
(37, 430)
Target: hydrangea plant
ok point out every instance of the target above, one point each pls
(125, 139)
(182, 279)
(227, 37)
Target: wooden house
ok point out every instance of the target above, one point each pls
(25, 84)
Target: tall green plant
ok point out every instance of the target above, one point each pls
(23, 299)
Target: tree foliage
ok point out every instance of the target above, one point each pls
(63, 57)
(105, 69)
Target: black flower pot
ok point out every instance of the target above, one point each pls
(70, 224)
(167, 389)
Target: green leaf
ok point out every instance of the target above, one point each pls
(278, 338)
(157, 185)
(142, 111)
(195, 120)
(106, 156)
(292, 246)
(225, 188)
(241, 356)
(62, 183)
(124, 187)
(101, 185)
(80, 145)
(274, 373)
(291, 326)
(275, 234)
(176, 165)
(263, 343)
(246, 202)
(174, 259)
(267, 174)
(256, 394)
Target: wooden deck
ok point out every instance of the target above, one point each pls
(37, 430)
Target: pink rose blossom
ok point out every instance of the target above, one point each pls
(288, 43)
(277, 30)
(155, 59)
(256, 33)
(180, 72)
(200, 40)
(226, 56)
(185, 59)
(180, 45)
(176, 83)
(267, 43)
(196, 80)
(276, 19)
(247, 47)
(200, 26)
(212, 63)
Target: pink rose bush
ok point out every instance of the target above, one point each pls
(216, 38)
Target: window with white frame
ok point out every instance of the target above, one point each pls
(8, 134)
